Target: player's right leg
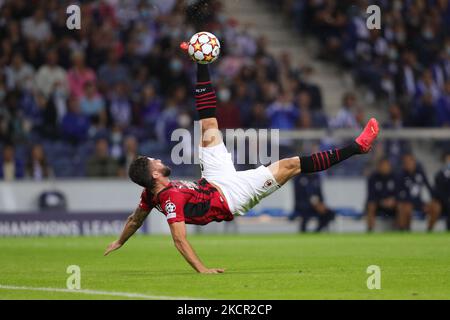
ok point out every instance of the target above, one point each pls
(206, 102)
(215, 161)
(286, 169)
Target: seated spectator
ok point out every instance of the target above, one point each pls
(3, 87)
(309, 202)
(411, 182)
(395, 148)
(346, 117)
(51, 76)
(442, 193)
(381, 200)
(10, 167)
(395, 120)
(20, 74)
(112, 72)
(243, 100)
(309, 117)
(407, 74)
(258, 118)
(282, 113)
(130, 152)
(37, 167)
(75, 125)
(12, 124)
(116, 136)
(167, 122)
(42, 113)
(120, 106)
(426, 112)
(33, 54)
(443, 106)
(92, 103)
(306, 84)
(78, 75)
(150, 106)
(426, 85)
(37, 27)
(101, 164)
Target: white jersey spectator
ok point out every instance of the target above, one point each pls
(36, 27)
(51, 76)
(346, 117)
(19, 75)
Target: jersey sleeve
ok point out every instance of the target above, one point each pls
(172, 205)
(144, 203)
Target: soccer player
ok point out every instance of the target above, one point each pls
(222, 192)
(382, 194)
(412, 182)
(309, 202)
(442, 193)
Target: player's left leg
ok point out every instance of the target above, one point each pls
(286, 169)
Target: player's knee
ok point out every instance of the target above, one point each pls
(209, 124)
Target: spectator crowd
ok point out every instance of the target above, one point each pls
(406, 62)
(122, 77)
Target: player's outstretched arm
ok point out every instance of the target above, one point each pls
(133, 223)
(178, 230)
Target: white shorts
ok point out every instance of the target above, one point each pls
(242, 189)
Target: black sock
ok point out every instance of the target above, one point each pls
(323, 160)
(205, 96)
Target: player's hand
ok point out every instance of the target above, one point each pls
(112, 246)
(213, 270)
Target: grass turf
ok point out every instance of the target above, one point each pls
(325, 266)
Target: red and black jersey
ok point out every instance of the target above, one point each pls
(196, 202)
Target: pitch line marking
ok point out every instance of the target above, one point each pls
(97, 293)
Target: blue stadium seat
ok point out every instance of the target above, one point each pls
(349, 212)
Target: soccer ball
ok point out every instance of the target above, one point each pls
(204, 47)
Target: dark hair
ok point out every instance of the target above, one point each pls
(445, 154)
(383, 159)
(43, 163)
(139, 173)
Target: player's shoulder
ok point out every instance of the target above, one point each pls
(172, 190)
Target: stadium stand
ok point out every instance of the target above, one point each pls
(121, 84)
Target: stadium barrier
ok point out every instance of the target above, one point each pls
(93, 208)
(385, 134)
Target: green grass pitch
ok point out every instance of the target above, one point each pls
(325, 266)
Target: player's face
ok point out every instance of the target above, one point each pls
(156, 165)
(384, 167)
(409, 163)
(447, 159)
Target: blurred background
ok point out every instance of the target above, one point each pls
(76, 107)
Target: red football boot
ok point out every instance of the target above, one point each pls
(368, 136)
